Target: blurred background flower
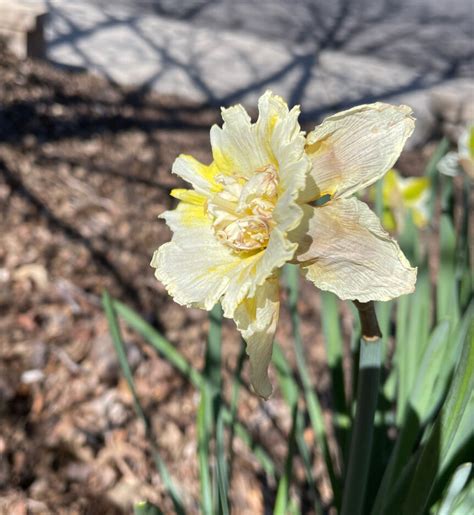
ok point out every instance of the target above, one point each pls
(462, 161)
(402, 197)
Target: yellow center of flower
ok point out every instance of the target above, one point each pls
(242, 211)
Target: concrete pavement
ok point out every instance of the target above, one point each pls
(325, 56)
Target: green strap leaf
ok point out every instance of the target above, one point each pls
(362, 436)
(169, 352)
(443, 433)
(203, 437)
(460, 478)
(122, 357)
(146, 508)
(312, 402)
(281, 503)
(290, 392)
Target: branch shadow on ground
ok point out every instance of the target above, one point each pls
(316, 28)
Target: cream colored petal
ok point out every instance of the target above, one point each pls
(194, 267)
(190, 213)
(256, 319)
(201, 176)
(236, 149)
(287, 144)
(352, 149)
(271, 109)
(189, 196)
(255, 270)
(279, 131)
(240, 147)
(346, 251)
(288, 213)
(198, 271)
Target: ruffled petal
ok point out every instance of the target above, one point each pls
(255, 269)
(256, 319)
(193, 266)
(236, 149)
(282, 131)
(240, 147)
(271, 110)
(344, 249)
(352, 149)
(199, 271)
(200, 176)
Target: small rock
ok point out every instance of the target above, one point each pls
(40, 488)
(117, 413)
(102, 479)
(106, 364)
(134, 355)
(79, 472)
(32, 376)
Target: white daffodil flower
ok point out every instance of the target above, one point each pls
(454, 163)
(252, 210)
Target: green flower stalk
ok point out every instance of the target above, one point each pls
(367, 395)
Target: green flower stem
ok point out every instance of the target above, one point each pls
(367, 394)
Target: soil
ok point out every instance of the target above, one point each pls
(84, 173)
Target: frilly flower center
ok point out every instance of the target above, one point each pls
(242, 211)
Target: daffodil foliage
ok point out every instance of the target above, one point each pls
(255, 207)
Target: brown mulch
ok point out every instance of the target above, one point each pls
(84, 172)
